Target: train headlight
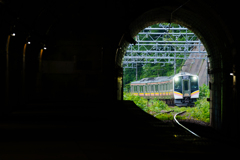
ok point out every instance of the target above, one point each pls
(176, 79)
(194, 78)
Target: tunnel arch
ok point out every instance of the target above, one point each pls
(216, 39)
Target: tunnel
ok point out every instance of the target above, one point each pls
(58, 54)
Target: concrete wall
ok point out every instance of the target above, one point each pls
(198, 67)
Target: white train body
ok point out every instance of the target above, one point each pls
(181, 89)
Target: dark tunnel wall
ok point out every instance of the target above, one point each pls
(86, 43)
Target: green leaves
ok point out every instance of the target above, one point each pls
(204, 91)
(139, 101)
(199, 112)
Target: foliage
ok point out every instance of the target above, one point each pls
(139, 101)
(204, 91)
(201, 110)
(157, 105)
(164, 116)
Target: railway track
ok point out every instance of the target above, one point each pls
(183, 125)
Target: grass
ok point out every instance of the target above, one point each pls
(199, 112)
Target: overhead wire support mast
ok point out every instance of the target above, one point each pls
(164, 45)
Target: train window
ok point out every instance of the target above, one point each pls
(152, 88)
(161, 87)
(167, 86)
(185, 85)
(135, 88)
(194, 83)
(156, 88)
(178, 84)
(145, 88)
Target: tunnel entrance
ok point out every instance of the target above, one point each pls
(167, 63)
(207, 29)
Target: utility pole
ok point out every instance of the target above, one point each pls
(175, 64)
(136, 71)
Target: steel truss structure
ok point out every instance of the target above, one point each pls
(163, 45)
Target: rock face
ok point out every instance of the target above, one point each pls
(198, 67)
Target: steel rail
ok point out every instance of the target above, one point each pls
(184, 126)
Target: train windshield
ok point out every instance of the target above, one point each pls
(178, 84)
(194, 83)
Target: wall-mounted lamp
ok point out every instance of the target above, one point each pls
(44, 47)
(28, 39)
(231, 74)
(13, 34)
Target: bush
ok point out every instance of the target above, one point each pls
(158, 105)
(139, 101)
(204, 91)
(201, 111)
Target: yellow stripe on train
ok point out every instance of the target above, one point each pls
(177, 93)
(195, 92)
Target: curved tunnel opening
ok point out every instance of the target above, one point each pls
(207, 30)
(149, 68)
(208, 26)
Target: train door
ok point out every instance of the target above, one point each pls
(186, 88)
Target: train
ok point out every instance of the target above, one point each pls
(181, 89)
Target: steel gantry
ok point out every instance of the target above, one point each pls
(164, 44)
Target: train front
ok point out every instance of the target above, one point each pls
(186, 89)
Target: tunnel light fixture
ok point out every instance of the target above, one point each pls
(29, 42)
(231, 74)
(44, 47)
(13, 34)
